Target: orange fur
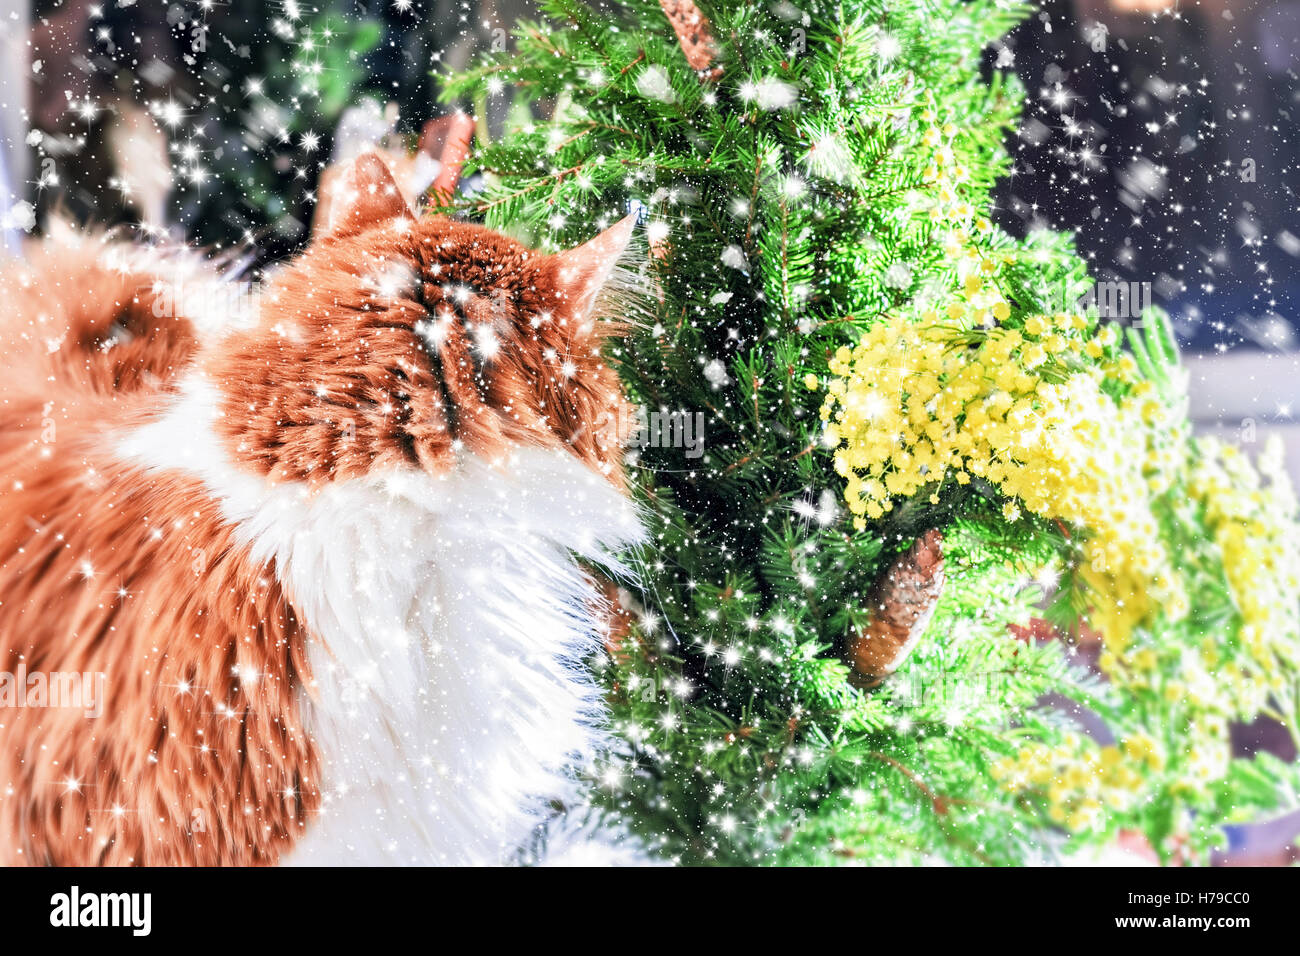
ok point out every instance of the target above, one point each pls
(104, 569)
(200, 756)
(351, 382)
(75, 321)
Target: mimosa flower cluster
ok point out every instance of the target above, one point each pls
(1058, 418)
(1082, 783)
(917, 405)
(1250, 511)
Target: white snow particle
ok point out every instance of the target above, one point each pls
(734, 257)
(769, 93)
(716, 373)
(653, 84)
(21, 215)
(898, 276)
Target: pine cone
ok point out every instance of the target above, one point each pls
(902, 603)
(695, 35)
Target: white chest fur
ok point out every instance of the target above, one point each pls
(449, 620)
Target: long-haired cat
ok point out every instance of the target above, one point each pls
(325, 547)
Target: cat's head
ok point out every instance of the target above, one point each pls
(397, 340)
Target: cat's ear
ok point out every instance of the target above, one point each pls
(583, 272)
(366, 196)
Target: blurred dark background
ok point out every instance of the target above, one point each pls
(1163, 138)
(1167, 143)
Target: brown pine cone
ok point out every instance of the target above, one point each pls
(695, 35)
(902, 603)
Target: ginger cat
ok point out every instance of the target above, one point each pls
(324, 547)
